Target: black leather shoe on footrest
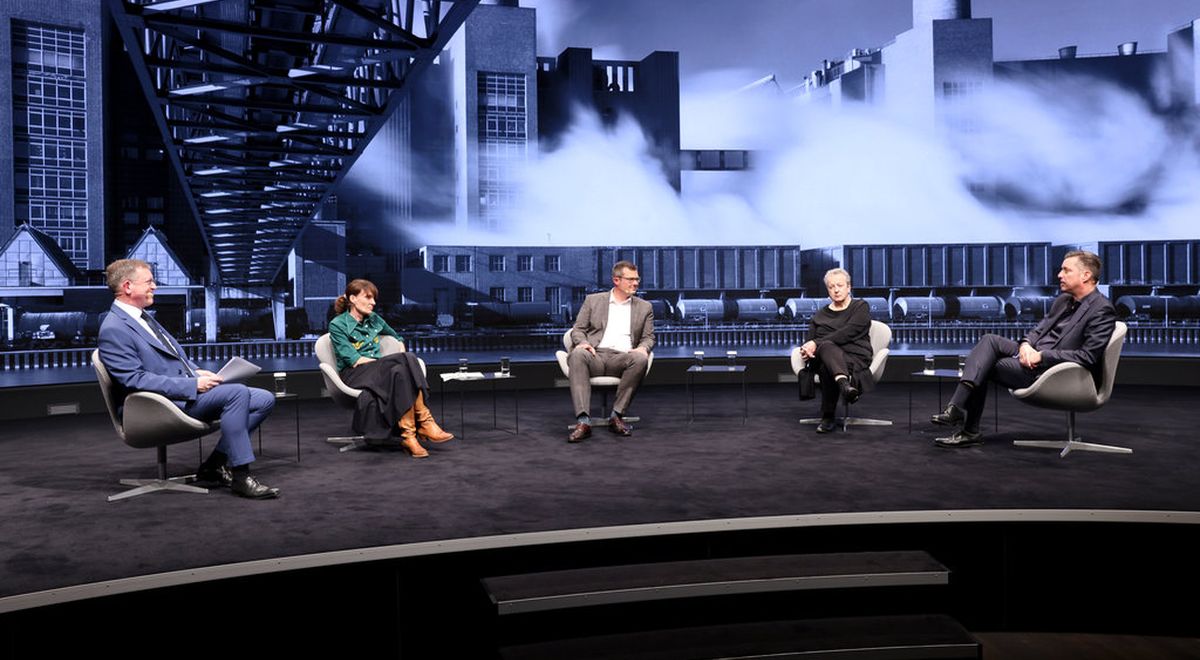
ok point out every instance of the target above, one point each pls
(827, 425)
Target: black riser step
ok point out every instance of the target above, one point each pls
(607, 585)
(905, 637)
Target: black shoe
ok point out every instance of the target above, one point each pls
(220, 475)
(849, 392)
(247, 486)
(963, 438)
(827, 425)
(951, 416)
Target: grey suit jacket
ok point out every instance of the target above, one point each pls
(593, 317)
(1084, 339)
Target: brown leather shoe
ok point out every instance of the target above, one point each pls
(430, 430)
(427, 426)
(414, 448)
(408, 433)
(580, 432)
(618, 426)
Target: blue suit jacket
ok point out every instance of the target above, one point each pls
(138, 362)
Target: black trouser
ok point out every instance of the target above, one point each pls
(830, 362)
(993, 358)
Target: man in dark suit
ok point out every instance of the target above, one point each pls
(142, 356)
(612, 336)
(1076, 329)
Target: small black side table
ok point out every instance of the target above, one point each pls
(475, 377)
(739, 369)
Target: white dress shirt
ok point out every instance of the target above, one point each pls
(136, 313)
(618, 331)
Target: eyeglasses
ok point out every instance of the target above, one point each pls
(632, 279)
(149, 282)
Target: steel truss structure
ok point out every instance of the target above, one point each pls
(265, 104)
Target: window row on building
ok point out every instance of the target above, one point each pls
(497, 263)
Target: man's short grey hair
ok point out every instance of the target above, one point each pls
(121, 270)
(838, 271)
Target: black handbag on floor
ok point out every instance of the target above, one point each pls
(808, 384)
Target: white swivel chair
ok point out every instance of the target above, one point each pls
(151, 420)
(602, 382)
(339, 391)
(881, 336)
(1070, 387)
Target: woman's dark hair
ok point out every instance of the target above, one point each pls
(354, 288)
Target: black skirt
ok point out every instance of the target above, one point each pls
(390, 386)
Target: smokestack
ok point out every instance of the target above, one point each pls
(1067, 52)
(1127, 48)
(925, 11)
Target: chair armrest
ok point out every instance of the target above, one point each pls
(878, 363)
(797, 360)
(1065, 386)
(341, 392)
(561, 356)
(151, 419)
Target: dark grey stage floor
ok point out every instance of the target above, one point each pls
(58, 529)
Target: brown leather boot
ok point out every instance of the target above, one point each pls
(408, 435)
(426, 425)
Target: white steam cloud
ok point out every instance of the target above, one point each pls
(1080, 161)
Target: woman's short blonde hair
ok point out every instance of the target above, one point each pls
(838, 271)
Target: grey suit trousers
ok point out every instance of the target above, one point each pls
(582, 365)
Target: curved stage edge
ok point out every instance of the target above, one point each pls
(543, 539)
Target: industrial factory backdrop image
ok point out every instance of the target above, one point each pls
(942, 151)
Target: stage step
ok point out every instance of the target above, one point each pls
(607, 585)
(860, 638)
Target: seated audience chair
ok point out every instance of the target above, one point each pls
(1070, 387)
(602, 382)
(151, 420)
(881, 336)
(339, 391)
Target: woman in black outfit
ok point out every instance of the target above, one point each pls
(840, 346)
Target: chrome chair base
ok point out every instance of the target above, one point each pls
(144, 486)
(1068, 446)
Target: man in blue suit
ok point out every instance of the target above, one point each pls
(142, 356)
(1076, 329)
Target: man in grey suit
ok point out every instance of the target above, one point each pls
(612, 336)
(1076, 329)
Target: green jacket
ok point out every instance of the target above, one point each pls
(352, 340)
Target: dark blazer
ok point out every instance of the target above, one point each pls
(1084, 339)
(138, 362)
(593, 317)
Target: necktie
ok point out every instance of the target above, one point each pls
(162, 337)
